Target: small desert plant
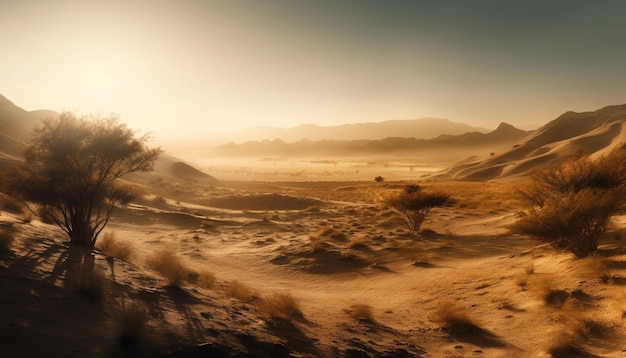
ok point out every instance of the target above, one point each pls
(110, 246)
(414, 203)
(240, 291)
(570, 205)
(544, 287)
(166, 262)
(360, 312)
(91, 281)
(454, 318)
(132, 321)
(281, 305)
(203, 278)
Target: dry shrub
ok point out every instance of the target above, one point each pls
(110, 246)
(544, 287)
(570, 205)
(91, 281)
(132, 321)
(414, 204)
(565, 345)
(281, 305)
(203, 278)
(454, 318)
(171, 266)
(240, 291)
(7, 238)
(360, 312)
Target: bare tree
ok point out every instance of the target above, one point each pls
(72, 172)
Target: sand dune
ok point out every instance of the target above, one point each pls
(594, 133)
(334, 259)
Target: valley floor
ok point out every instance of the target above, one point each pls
(365, 286)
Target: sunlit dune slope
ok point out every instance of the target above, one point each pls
(592, 133)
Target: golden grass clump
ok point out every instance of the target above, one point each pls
(91, 281)
(204, 278)
(171, 266)
(240, 291)
(110, 246)
(454, 318)
(281, 305)
(132, 321)
(360, 312)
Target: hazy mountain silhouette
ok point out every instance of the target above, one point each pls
(594, 133)
(503, 135)
(417, 128)
(16, 125)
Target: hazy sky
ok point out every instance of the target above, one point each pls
(190, 67)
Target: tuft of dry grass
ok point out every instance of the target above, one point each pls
(360, 312)
(171, 266)
(281, 305)
(110, 246)
(240, 291)
(91, 281)
(6, 238)
(454, 318)
(203, 278)
(131, 322)
(544, 287)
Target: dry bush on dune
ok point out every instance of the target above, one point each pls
(240, 291)
(110, 246)
(544, 287)
(414, 204)
(171, 266)
(203, 278)
(570, 205)
(360, 312)
(131, 322)
(281, 305)
(454, 318)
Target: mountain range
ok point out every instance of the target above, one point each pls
(397, 146)
(423, 128)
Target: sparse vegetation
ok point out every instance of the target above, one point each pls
(171, 266)
(454, 318)
(91, 281)
(414, 203)
(110, 246)
(71, 172)
(360, 312)
(571, 204)
(240, 291)
(131, 322)
(281, 305)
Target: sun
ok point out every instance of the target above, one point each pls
(96, 81)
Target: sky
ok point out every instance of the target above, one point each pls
(190, 68)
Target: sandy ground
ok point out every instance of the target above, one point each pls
(330, 257)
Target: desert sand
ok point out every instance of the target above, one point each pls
(365, 286)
